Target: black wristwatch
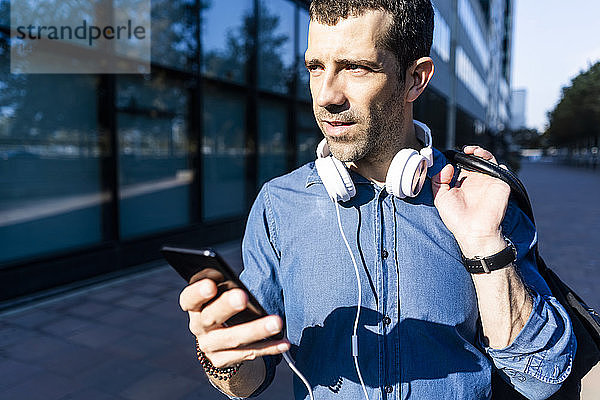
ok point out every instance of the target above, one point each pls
(485, 265)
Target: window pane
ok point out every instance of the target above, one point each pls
(154, 159)
(50, 189)
(224, 154)
(158, 95)
(226, 27)
(272, 140)
(276, 45)
(174, 34)
(303, 76)
(308, 137)
(4, 14)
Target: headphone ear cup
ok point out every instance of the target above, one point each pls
(406, 174)
(393, 179)
(336, 178)
(414, 175)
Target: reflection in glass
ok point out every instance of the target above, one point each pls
(272, 140)
(308, 135)
(303, 90)
(158, 95)
(4, 13)
(226, 28)
(50, 156)
(276, 45)
(174, 33)
(154, 172)
(224, 154)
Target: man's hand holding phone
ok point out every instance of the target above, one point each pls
(227, 346)
(230, 326)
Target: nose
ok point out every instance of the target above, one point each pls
(330, 91)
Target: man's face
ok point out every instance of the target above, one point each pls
(356, 90)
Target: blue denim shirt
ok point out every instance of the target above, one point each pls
(419, 332)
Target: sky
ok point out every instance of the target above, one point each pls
(554, 40)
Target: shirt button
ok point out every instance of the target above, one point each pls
(384, 254)
(387, 320)
(389, 388)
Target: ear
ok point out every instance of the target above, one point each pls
(418, 76)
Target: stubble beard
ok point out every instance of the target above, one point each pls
(375, 137)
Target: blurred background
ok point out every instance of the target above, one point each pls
(98, 171)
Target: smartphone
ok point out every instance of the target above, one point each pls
(194, 265)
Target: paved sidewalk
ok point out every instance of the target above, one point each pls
(128, 339)
(566, 204)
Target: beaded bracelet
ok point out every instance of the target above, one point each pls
(223, 374)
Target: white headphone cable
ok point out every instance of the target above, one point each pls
(290, 362)
(286, 355)
(354, 335)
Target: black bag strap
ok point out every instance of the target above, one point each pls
(472, 163)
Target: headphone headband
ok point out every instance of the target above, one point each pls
(427, 140)
(323, 149)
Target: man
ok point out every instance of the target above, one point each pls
(427, 328)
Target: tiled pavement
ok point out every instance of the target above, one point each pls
(128, 339)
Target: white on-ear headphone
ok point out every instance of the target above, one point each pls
(405, 176)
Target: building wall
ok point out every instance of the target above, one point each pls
(98, 171)
(472, 48)
(518, 109)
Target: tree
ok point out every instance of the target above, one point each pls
(230, 62)
(575, 122)
(529, 138)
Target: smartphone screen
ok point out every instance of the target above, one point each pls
(194, 265)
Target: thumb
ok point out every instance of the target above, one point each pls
(440, 183)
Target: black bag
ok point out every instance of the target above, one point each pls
(586, 321)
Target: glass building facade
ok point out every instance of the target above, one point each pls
(472, 53)
(97, 172)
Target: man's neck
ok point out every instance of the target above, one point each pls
(375, 167)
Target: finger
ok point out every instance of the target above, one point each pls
(240, 335)
(486, 155)
(480, 152)
(194, 296)
(442, 180)
(228, 358)
(444, 177)
(220, 310)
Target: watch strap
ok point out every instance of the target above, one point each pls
(502, 259)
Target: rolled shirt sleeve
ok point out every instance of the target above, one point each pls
(541, 356)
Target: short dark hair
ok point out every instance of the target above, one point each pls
(410, 34)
